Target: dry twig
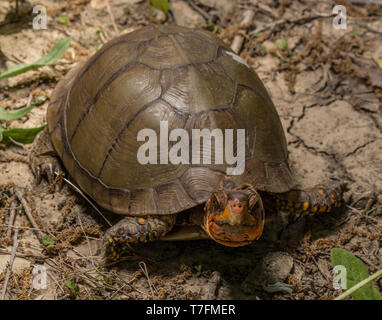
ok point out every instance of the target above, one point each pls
(301, 20)
(87, 240)
(143, 267)
(87, 199)
(10, 264)
(12, 218)
(238, 40)
(112, 17)
(28, 212)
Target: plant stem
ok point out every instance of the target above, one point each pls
(359, 285)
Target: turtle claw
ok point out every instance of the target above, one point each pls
(43, 161)
(47, 167)
(38, 176)
(49, 172)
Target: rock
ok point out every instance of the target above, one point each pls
(276, 266)
(19, 264)
(269, 274)
(91, 248)
(185, 15)
(222, 6)
(98, 4)
(160, 16)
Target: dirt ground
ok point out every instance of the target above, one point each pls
(327, 87)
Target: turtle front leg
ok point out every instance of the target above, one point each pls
(43, 158)
(318, 199)
(136, 230)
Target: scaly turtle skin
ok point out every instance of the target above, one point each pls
(192, 80)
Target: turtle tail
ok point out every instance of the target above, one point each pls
(322, 198)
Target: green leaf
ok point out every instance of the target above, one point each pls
(24, 136)
(282, 45)
(55, 53)
(198, 269)
(71, 285)
(370, 211)
(99, 30)
(51, 57)
(356, 271)
(161, 5)
(39, 100)
(64, 20)
(14, 114)
(47, 241)
(216, 29)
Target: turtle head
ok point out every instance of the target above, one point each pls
(234, 218)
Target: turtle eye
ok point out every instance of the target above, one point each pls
(238, 207)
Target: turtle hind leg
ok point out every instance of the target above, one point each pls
(43, 158)
(132, 230)
(316, 200)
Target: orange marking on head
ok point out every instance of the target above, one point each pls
(245, 234)
(237, 207)
(239, 223)
(320, 191)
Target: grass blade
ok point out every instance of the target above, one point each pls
(51, 57)
(24, 136)
(55, 53)
(360, 285)
(357, 276)
(14, 114)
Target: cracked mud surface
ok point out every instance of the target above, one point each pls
(327, 90)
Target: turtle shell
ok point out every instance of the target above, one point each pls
(186, 77)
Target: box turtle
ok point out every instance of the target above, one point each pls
(187, 79)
